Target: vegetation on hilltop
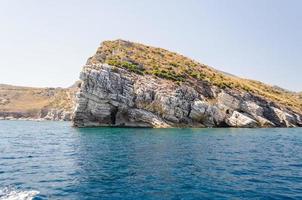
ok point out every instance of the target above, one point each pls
(142, 59)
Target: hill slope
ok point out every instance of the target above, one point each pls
(36, 103)
(130, 84)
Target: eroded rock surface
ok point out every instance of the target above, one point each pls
(111, 96)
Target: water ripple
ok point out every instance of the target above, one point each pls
(51, 160)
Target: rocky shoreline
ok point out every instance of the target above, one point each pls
(44, 115)
(28, 119)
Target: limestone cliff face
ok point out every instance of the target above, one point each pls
(133, 85)
(114, 96)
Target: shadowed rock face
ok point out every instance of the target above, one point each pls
(111, 96)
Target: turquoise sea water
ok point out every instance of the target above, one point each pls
(52, 160)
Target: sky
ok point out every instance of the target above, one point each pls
(46, 43)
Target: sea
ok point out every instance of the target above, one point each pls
(53, 160)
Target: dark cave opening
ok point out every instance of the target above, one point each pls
(113, 113)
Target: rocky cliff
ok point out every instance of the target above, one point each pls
(27, 103)
(132, 85)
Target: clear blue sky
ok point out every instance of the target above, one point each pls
(45, 43)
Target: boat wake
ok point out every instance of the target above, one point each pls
(12, 194)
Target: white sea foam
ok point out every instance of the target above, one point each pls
(11, 194)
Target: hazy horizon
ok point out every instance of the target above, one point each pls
(45, 44)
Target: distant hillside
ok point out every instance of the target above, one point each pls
(29, 102)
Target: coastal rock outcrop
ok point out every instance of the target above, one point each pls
(111, 96)
(127, 84)
(240, 120)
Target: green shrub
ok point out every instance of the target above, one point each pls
(197, 75)
(223, 85)
(171, 75)
(174, 64)
(127, 65)
(246, 88)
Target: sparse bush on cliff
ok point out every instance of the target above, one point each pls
(171, 75)
(173, 63)
(197, 75)
(127, 65)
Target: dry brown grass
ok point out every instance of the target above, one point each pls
(27, 99)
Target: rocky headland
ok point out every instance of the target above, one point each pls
(127, 84)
